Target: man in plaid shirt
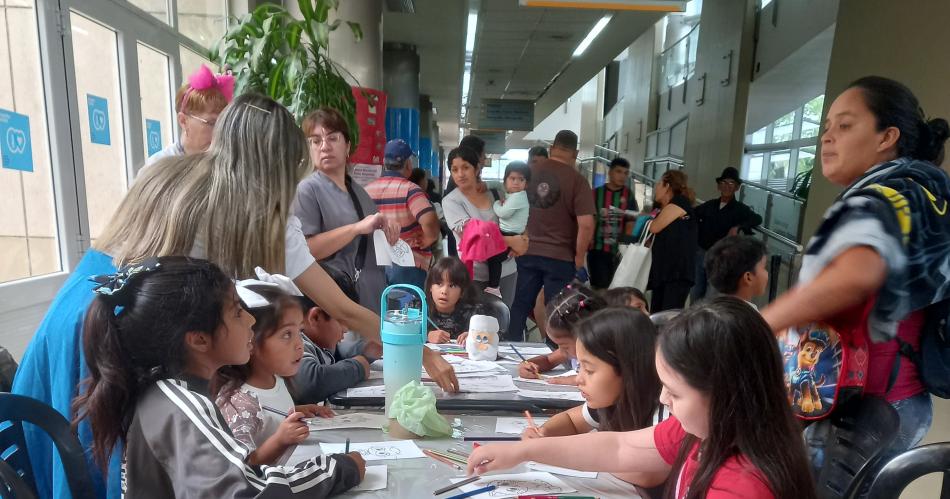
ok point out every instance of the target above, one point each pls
(404, 202)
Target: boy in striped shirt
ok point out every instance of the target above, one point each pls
(614, 203)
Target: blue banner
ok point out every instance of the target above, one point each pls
(98, 119)
(16, 148)
(403, 123)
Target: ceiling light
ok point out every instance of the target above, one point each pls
(647, 5)
(593, 34)
(470, 32)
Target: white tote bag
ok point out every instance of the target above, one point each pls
(634, 268)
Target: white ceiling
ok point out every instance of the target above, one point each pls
(518, 52)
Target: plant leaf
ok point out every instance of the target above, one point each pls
(356, 29)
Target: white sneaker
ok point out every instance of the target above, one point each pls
(493, 291)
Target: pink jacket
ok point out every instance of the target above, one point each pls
(480, 241)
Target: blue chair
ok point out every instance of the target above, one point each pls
(909, 466)
(14, 410)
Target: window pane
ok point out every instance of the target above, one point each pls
(759, 136)
(157, 8)
(191, 61)
(156, 96)
(782, 128)
(813, 109)
(100, 119)
(806, 159)
(809, 130)
(29, 243)
(754, 169)
(778, 170)
(204, 21)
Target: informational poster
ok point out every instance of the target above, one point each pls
(153, 136)
(98, 119)
(16, 147)
(364, 174)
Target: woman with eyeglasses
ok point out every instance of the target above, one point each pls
(336, 214)
(197, 104)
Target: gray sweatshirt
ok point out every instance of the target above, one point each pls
(323, 373)
(179, 446)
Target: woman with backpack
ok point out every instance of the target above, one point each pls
(875, 270)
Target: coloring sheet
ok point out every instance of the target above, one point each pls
(352, 420)
(515, 426)
(536, 394)
(519, 484)
(375, 478)
(547, 377)
(367, 391)
(487, 384)
(378, 451)
(527, 351)
(399, 253)
(557, 470)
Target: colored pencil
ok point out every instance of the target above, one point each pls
(456, 485)
(493, 438)
(275, 411)
(458, 453)
(474, 492)
(347, 449)
(441, 459)
(530, 420)
(517, 352)
(450, 457)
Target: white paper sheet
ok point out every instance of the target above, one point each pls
(515, 426)
(487, 384)
(537, 394)
(524, 350)
(519, 484)
(378, 451)
(352, 420)
(557, 470)
(399, 253)
(375, 478)
(367, 391)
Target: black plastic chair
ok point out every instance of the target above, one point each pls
(12, 485)
(909, 466)
(859, 431)
(14, 410)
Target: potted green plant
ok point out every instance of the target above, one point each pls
(271, 52)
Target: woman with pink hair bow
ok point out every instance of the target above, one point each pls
(198, 104)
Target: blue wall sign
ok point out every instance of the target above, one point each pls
(16, 148)
(98, 119)
(153, 136)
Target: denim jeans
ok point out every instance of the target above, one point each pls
(916, 416)
(535, 272)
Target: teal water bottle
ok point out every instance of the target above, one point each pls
(403, 332)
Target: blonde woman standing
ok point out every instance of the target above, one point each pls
(230, 205)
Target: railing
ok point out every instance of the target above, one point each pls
(678, 62)
(781, 211)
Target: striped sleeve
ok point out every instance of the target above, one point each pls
(418, 203)
(186, 435)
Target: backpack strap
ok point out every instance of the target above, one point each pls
(494, 194)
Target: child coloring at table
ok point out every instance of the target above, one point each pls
(617, 377)
(573, 304)
(155, 334)
(731, 433)
(453, 299)
(246, 393)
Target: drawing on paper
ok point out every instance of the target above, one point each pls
(381, 452)
(506, 488)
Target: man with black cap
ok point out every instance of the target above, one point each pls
(560, 226)
(406, 204)
(719, 218)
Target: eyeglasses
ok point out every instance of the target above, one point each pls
(332, 139)
(210, 123)
(730, 183)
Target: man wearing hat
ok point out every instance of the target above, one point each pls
(403, 202)
(719, 218)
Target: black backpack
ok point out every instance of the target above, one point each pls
(933, 357)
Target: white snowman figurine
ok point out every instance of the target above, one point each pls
(482, 340)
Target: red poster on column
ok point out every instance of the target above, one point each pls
(371, 116)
